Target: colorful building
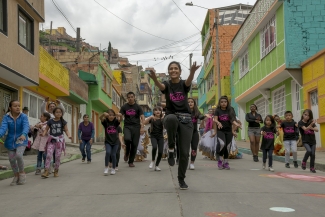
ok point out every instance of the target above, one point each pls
(313, 78)
(201, 83)
(267, 52)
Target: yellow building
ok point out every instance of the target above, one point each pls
(313, 72)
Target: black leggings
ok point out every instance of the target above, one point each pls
(157, 143)
(131, 139)
(268, 152)
(310, 151)
(224, 139)
(117, 156)
(194, 144)
(184, 132)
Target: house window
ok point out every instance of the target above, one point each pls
(25, 31)
(108, 86)
(268, 39)
(118, 101)
(263, 107)
(114, 97)
(3, 16)
(279, 101)
(244, 64)
(33, 102)
(103, 81)
(141, 97)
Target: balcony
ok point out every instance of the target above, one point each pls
(211, 95)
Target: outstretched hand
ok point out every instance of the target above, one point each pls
(194, 67)
(152, 73)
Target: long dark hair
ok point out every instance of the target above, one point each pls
(196, 112)
(229, 109)
(311, 116)
(175, 62)
(10, 104)
(255, 106)
(61, 118)
(273, 124)
(157, 108)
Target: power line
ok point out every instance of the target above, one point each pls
(59, 9)
(131, 24)
(186, 16)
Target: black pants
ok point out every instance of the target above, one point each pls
(177, 149)
(269, 153)
(194, 144)
(224, 139)
(184, 131)
(157, 143)
(131, 140)
(117, 156)
(310, 151)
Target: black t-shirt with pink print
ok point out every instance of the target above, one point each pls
(289, 130)
(132, 114)
(111, 131)
(176, 97)
(224, 118)
(307, 136)
(268, 139)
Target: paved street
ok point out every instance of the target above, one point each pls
(245, 190)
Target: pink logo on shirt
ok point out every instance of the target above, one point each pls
(177, 97)
(224, 117)
(194, 120)
(309, 132)
(289, 130)
(130, 112)
(269, 135)
(111, 130)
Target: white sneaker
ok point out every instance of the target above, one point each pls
(192, 167)
(271, 169)
(151, 164)
(116, 169)
(157, 168)
(106, 171)
(113, 172)
(263, 165)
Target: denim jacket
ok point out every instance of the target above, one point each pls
(15, 129)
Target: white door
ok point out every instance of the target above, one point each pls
(295, 95)
(241, 115)
(314, 109)
(68, 118)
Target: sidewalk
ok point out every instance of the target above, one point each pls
(72, 153)
(244, 147)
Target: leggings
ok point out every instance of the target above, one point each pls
(310, 151)
(53, 148)
(157, 143)
(41, 156)
(268, 152)
(117, 156)
(194, 144)
(16, 159)
(131, 140)
(111, 152)
(223, 142)
(184, 131)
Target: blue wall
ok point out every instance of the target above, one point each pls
(201, 96)
(304, 30)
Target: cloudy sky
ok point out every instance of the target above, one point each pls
(161, 18)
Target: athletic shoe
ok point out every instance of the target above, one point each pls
(83, 159)
(287, 165)
(151, 164)
(88, 162)
(257, 159)
(14, 181)
(192, 167)
(182, 185)
(106, 171)
(157, 168)
(303, 165)
(264, 165)
(226, 166)
(295, 163)
(113, 172)
(220, 167)
(116, 169)
(131, 165)
(38, 172)
(171, 159)
(312, 169)
(22, 179)
(271, 169)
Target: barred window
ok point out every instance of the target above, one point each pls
(268, 39)
(279, 101)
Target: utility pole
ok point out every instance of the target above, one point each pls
(216, 23)
(50, 39)
(190, 69)
(78, 40)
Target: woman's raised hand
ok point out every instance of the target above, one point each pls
(194, 67)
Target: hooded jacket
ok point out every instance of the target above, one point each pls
(15, 129)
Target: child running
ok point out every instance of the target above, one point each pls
(55, 142)
(121, 140)
(289, 138)
(307, 129)
(156, 136)
(267, 146)
(196, 115)
(224, 117)
(110, 123)
(40, 141)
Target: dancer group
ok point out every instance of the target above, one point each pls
(180, 119)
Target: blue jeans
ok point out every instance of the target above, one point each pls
(82, 146)
(111, 152)
(41, 155)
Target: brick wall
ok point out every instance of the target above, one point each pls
(305, 30)
(78, 86)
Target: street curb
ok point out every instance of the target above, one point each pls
(31, 168)
(318, 166)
